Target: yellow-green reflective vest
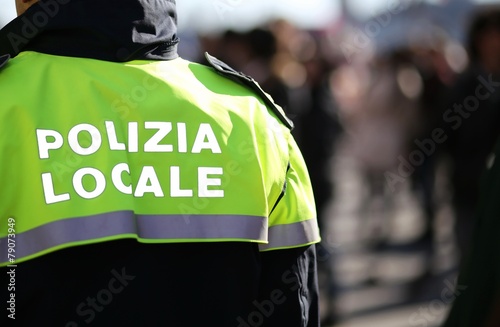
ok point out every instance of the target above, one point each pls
(159, 151)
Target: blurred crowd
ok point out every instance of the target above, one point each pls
(419, 118)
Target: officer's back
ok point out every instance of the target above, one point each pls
(140, 189)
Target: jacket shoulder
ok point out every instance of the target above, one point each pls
(226, 71)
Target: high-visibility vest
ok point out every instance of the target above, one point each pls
(158, 151)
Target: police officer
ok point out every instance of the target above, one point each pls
(140, 189)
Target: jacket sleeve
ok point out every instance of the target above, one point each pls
(288, 295)
(292, 221)
(289, 272)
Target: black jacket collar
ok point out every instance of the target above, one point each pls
(111, 30)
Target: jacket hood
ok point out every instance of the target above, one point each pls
(111, 30)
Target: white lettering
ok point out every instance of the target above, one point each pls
(116, 176)
(96, 139)
(112, 137)
(206, 132)
(182, 137)
(148, 176)
(90, 183)
(100, 183)
(48, 190)
(175, 184)
(153, 145)
(44, 145)
(204, 182)
(91, 141)
(133, 137)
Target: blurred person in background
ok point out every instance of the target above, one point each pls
(477, 293)
(381, 122)
(476, 179)
(436, 77)
(472, 121)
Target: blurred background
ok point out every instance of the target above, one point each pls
(396, 112)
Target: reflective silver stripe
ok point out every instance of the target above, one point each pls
(168, 227)
(292, 235)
